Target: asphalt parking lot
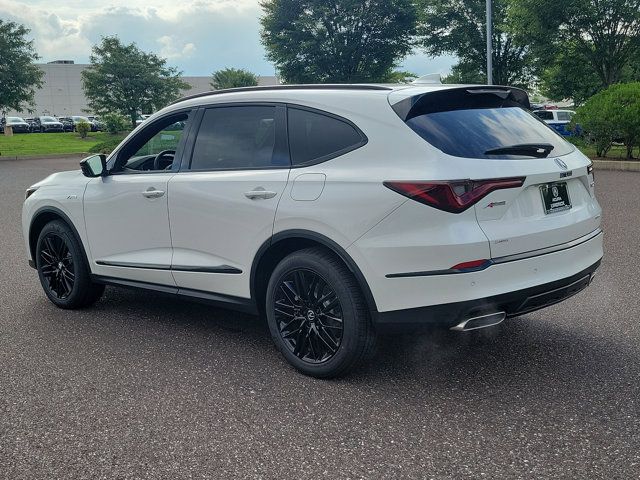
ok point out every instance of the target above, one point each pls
(144, 386)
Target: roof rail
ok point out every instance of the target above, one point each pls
(320, 86)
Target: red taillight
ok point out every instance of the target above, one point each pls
(454, 196)
(472, 266)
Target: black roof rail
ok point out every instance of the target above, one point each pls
(314, 86)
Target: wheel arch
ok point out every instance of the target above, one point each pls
(286, 242)
(43, 216)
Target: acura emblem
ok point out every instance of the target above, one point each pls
(561, 164)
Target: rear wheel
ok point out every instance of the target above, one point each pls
(62, 268)
(317, 315)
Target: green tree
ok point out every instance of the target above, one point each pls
(567, 75)
(233, 78)
(459, 27)
(122, 78)
(601, 34)
(340, 41)
(19, 77)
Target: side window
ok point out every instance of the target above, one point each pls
(238, 137)
(564, 116)
(153, 148)
(314, 136)
(167, 138)
(545, 115)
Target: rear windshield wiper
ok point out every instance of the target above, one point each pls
(538, 150)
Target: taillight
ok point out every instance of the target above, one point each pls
(452, 196)
(472, 266)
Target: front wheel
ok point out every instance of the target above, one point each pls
(62, 268)
(317, 314)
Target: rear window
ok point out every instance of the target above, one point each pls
(315, 137)
(469, 123)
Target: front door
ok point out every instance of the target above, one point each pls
(126, 214)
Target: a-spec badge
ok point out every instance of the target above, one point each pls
(496, 204)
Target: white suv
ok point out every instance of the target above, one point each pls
(336, 211)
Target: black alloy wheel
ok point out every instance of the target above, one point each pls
(317, 314)
(57, 266)
(309, 316)
(63, 269)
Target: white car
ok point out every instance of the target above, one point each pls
(556, 119)
(335, 211)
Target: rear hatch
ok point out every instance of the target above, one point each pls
(485, 133)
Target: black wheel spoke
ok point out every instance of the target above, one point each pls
(309, 316)
(300, 283)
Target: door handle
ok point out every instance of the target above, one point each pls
(152, 193)
(259, 194)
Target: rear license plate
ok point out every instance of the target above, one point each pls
(555, 197)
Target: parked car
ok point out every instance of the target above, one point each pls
(335, 211)
(32, 124)
(99, 125)
(47, 124)
(67, 124)
(18, 124)
(557, 119)
(75, 119)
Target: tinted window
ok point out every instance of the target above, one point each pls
(235, 138)
(470, 123)
(544, 115)
(313, 136)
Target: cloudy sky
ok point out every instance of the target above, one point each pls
(197, 36)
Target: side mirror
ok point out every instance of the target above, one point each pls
(94, 166)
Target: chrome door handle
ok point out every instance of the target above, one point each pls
(260, 194)
(152, 193)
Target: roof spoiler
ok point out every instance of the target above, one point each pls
(429, 79)
(468, 97)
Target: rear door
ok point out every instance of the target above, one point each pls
(223, 202)
(487, 133)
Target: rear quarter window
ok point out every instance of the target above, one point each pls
(316, 137)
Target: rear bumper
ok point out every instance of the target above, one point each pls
(513, 303)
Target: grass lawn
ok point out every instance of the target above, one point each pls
(23, 144)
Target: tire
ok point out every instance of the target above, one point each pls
(306, 327)
(63, 269)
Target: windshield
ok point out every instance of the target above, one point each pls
(48, 119)
(15, 120)
(80, 119)
(474, 124)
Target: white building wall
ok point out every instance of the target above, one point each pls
(62, 94)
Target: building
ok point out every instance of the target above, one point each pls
(62, 94)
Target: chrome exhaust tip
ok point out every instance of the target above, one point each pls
(483, 321)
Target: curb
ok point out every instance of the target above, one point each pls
(618, 165)
(57, 156)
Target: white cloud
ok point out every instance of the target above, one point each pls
(171, 48)
(196, 36)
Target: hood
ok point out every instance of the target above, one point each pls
(63, 178)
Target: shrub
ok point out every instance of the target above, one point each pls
(115, 123)
(107, 146)
(612, 115)
(83, 128)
